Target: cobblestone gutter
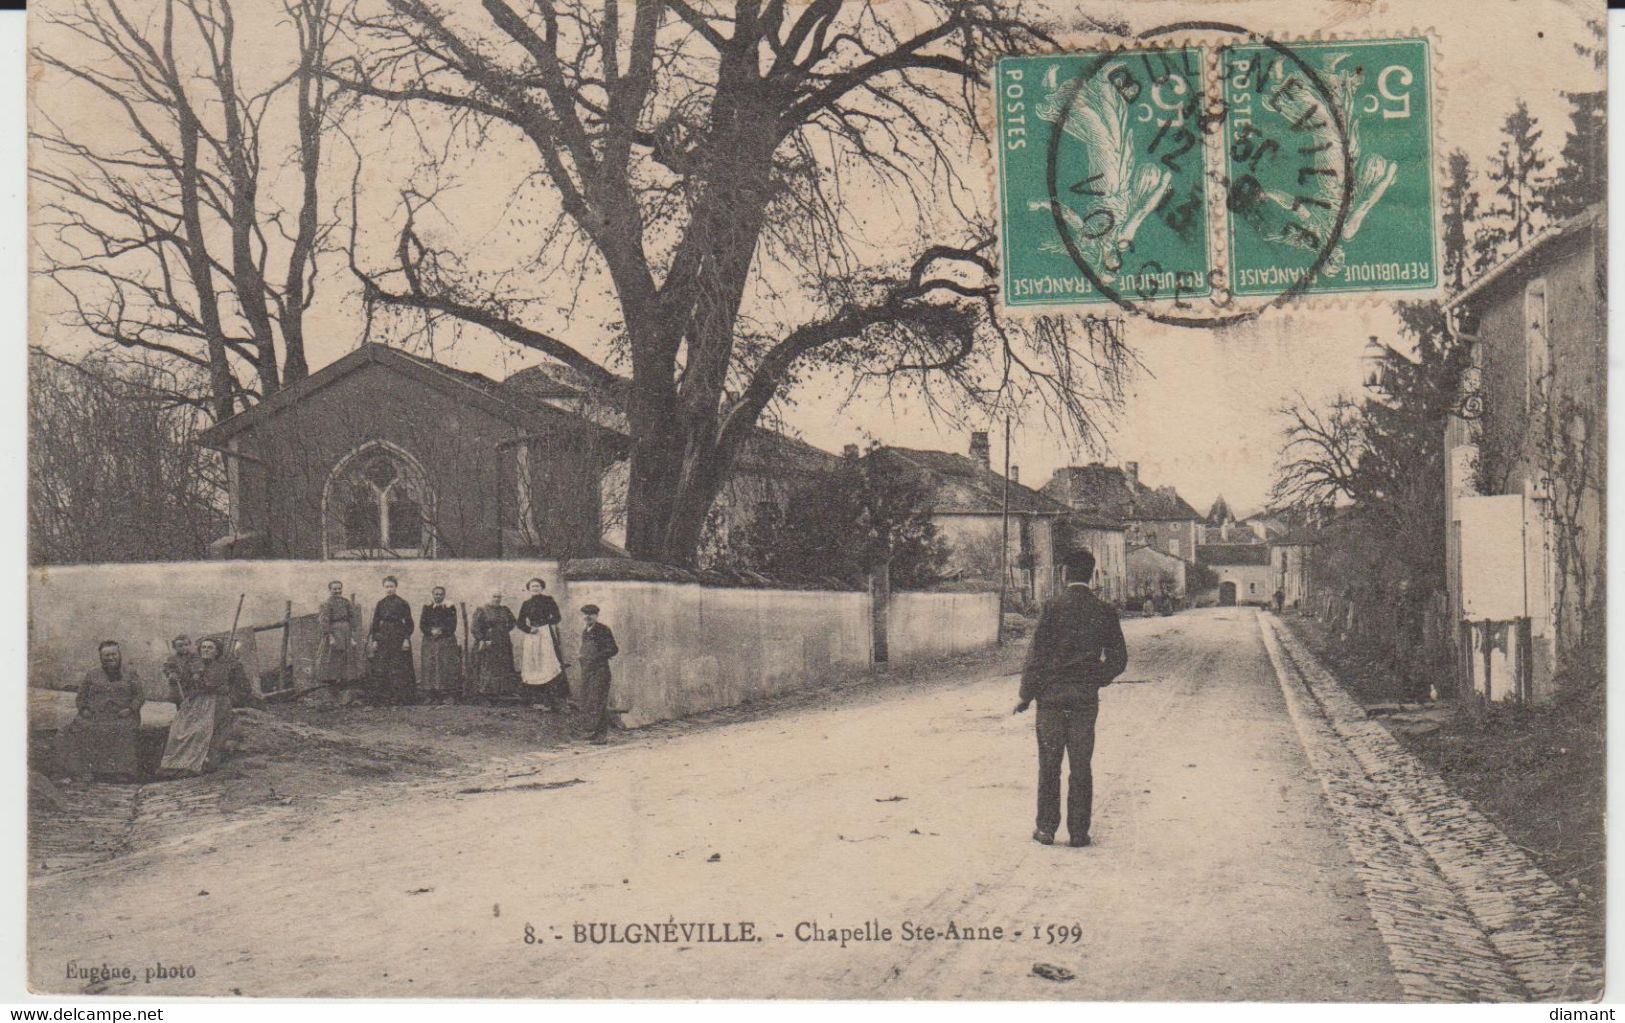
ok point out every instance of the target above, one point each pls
(1466, 915)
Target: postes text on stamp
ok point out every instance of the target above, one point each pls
(1290, 171)
(1102, 188)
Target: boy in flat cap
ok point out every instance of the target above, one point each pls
(597, 647)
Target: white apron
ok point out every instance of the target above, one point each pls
(538, 661)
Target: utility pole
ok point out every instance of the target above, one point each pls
(1004, 523)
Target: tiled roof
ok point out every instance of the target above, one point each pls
(550, 382)
(1106, 489)
(522, 396)
(765, 451)
(768, 451)
(1300, 536)
(1233, 554)
(481, 390)
(1146, 550)
(961, 485)
(1093, 520)
(1534, 249)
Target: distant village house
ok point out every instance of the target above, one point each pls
(971, 505)
(1157, 517)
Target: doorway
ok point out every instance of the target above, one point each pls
(1227, 594)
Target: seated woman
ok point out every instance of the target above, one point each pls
(203, 721)
(102, 738)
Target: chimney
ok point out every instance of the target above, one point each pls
(1015, 474)
(979, 449)
(850, 451)
(1132, 471)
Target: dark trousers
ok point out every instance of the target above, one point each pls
(595, 687)
(1066, 728)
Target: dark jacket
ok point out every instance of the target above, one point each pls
(438, 616)
(597, 647)
(538, 612)
(1078, 642)
(393, 614)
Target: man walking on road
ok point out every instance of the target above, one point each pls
(1077, 648)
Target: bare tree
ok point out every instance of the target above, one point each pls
(114, 473)
(1320, 455)
(702, 158)
(158, 226)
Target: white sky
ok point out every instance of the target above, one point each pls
(1200, 415)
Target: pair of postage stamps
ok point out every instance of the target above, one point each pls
(1199, 183)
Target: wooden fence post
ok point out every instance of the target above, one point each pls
(284, 666)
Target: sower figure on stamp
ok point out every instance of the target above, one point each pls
(1077, 648)
(441, 659)
(597, 647)
(390, 669)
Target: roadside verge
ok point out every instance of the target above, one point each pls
(1466, 914)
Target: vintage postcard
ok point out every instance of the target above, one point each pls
(817, 499)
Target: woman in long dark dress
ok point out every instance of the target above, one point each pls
(389, 671)
(338, 651)
(441, 658)
(541, 668)
(102, 738)
(203, 721)
(494, 675)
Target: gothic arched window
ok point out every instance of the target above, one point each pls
(377, 504)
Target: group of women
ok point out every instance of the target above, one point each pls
(492, 671)
(103, 739)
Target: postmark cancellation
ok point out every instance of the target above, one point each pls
(1208, 173)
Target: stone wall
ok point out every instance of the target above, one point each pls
(685, 648)
(72, 608)
(920, 626)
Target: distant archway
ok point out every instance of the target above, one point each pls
(1227, 594)
(377, 503)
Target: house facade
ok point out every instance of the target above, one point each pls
(1243, 573)
(1291, 559)
(383, 454)
(768, 469)
(1106, 539)
(1152, 573)
(968, 502)
(1525, 497)
(1154, 517)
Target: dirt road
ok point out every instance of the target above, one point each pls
(1216, 873)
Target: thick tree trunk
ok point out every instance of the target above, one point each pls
(311, 104)
(678, 467)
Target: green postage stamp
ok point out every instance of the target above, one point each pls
(1102, 184)
(1301, 184)
(1217, 178)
